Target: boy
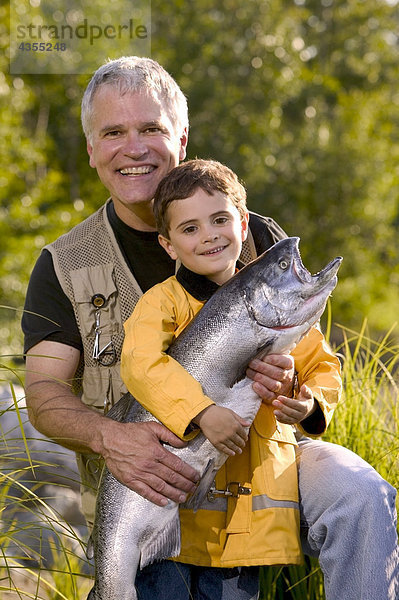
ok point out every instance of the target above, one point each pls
(202, 219)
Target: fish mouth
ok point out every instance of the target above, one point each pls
(322, 281)
(314, 284)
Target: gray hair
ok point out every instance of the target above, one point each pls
(136, 74)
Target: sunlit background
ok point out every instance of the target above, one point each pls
(300, 98)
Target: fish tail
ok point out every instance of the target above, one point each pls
(166, 544)
(92, 594)
(90, 549)
(195, 501)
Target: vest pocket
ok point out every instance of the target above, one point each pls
(91, 282)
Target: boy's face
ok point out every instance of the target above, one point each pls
(206, 233)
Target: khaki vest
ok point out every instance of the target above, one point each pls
(91, 269)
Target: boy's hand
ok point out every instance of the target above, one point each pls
(294, 410)
(226, 430)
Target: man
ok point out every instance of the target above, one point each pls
(87, 282)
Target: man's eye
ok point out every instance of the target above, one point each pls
(112, 133)
(152, 130)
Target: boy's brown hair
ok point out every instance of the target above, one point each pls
(186, 178)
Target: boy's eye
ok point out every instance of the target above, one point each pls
(190, 229)
(221, 220)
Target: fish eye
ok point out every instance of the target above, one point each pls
(283, 264)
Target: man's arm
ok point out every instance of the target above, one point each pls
(132, 451)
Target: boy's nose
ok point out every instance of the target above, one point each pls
(211, 237)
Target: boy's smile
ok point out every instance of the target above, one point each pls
(206, 233)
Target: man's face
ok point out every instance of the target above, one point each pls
(134, 144)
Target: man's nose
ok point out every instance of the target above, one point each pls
(135, 146)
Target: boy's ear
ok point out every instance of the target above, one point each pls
(167, 245)
(244, 227)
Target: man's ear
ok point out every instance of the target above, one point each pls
(167, 245)
(183, 144)
(244, 227)
(92, 162)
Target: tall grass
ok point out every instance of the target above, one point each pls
(367, 422)
(41, 554)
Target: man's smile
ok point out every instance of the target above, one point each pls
(144, 170)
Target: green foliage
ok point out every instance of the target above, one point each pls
(367, 420)
(300, 98)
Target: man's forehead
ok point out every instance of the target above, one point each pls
(149, 100)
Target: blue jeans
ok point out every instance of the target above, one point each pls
(348, 521)
(169, 580)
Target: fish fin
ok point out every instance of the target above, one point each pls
(206, 481)
(90, 548)
(128, 410)
(241, 375)
(120, 409)
(261, 353)
(165, 545)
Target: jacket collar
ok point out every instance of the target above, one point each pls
(198, 286)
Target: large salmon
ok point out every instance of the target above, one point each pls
(266, 308)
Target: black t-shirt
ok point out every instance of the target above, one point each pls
(147, 260)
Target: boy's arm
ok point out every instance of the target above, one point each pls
(160, 383)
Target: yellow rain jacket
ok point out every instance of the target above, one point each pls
(261, 528)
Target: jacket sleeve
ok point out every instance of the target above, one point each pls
(318, 367)
(157, 381)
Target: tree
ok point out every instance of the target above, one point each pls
(299, 98)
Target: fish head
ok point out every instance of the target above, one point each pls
(281, 294)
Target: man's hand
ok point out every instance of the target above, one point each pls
(134, 455)
(133, 451)
(273, 376)
(273, 381)
(294, 410)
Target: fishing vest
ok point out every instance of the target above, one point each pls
(103, 292)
